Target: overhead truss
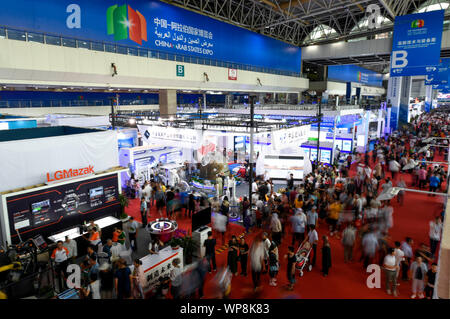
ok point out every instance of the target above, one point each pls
(293, 20)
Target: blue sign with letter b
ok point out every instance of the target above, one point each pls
(416, 46)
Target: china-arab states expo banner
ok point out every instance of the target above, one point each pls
(416, 44)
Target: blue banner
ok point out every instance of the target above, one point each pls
(153, 25)
(354, 73)
(394, 117)
(416, 44)
(439, 74)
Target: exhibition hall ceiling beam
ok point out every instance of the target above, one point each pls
(320, 11)
(388, 9)
(293, 20)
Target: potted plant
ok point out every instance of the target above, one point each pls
(124, 201)
(175, 243)
(189, 246)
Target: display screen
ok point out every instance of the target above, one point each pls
(313, 156)
(280, 166)
(346, 145)
(59, 207)
(96, 192)
(325, 156)
(201, 218)
(41, 206)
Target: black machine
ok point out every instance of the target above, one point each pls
(20, 268)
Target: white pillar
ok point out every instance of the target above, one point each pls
(403, 114)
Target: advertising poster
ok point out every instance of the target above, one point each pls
(416, 45)
(354, 73)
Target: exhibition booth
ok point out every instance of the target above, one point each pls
(68, 176)
(219, 141)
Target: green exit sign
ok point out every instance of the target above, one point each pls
(180, 70)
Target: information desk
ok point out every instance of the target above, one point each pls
(159, 265)
(106, 225)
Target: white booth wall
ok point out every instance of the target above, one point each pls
(27, 162)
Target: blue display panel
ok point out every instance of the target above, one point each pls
(354, 73)
(416, 44)
(154, 25)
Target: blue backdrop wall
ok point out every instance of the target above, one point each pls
(151, 24)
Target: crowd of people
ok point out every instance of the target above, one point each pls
(349, 202)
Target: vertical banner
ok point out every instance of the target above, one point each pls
(348, 92)
(394, 88)
(403, 114)
(428, 98)
(416, 44)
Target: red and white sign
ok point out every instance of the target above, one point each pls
(232, 74)
(70, 173)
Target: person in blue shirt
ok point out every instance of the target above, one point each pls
(107, 248)
(434, 183)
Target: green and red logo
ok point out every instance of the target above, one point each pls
(419, 23)
(359, 76)
(124, 23)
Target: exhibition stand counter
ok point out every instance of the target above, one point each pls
(104, 223)
(159, 265)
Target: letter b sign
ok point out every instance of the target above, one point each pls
(399, 59)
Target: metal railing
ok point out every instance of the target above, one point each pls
(301, 107)
(47, 38)
(70, 103)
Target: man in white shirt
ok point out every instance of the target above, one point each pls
(390, 269)
(254, 187)
(435, 233)
(266, 243)
(71, 246)
(147, 192)
(176, 279)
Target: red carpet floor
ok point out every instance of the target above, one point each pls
(345, 281)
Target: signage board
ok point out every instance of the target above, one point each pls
(294, 136)
(180, 70)
(232, 74)
(416, 44)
